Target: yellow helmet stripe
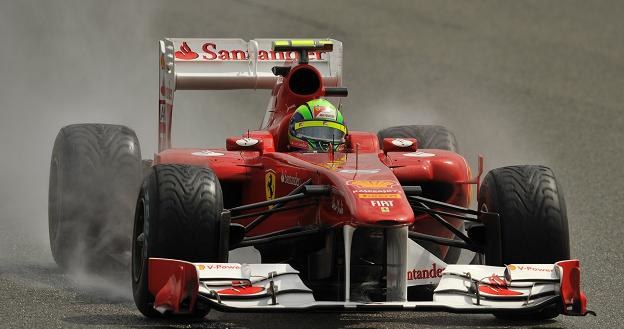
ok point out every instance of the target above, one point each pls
(320, 123)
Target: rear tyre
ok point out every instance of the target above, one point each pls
(178, 216)
(428, 137)
(534, 224)
(95, 173)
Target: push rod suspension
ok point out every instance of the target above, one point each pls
(444, 241)
(468, 241)
(277, 205)
(443, 205)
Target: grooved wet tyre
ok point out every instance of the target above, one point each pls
(178, 216)
(95, 174)
(428, 137)
(534, 224)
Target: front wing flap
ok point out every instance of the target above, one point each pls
(519, 288)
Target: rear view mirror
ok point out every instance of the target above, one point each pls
(244, 144)
(399, 145)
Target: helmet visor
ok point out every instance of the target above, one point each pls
(326, 131)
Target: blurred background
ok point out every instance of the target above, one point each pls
(521, 82)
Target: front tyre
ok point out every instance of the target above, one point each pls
(178, 216)
(533, 219)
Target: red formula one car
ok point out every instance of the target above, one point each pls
(370, 222)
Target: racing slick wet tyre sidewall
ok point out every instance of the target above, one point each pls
(178, 216)
(428, 137)
(95, 174)
(533, 220)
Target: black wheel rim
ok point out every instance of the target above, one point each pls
(138, 241)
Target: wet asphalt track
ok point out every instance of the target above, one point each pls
(519, 81)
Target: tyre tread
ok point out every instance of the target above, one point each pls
(98, 178)
(190, 202)
(530, 200)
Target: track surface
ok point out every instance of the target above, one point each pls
(518, 81)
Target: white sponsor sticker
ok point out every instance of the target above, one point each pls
(359, 171)
(218, 270)
(419, 154)
(423, 267)
(400, 142)
(375, 191)
(323, 112)
(248, 141)
(524, 272)
(290, 180)
(207, 153)
(382, 203)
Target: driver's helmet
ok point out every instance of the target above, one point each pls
(316, 126)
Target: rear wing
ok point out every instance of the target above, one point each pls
(223, 64)
(220, 64)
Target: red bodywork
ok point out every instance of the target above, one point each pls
(367, 183)
(573, 300)
(171, 283)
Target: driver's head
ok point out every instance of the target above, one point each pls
(316, 126)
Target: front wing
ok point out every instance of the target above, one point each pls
(521, 288)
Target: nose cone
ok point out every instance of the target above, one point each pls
(365, 191)
(378, 202)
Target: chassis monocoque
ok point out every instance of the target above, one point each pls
(375, 226)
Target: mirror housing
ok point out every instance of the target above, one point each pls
(244, 144)
(399, 145)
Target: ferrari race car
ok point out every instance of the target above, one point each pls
(374, 222)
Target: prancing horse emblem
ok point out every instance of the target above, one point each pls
(269, 184)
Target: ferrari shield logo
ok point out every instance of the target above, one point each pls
(269, 184)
